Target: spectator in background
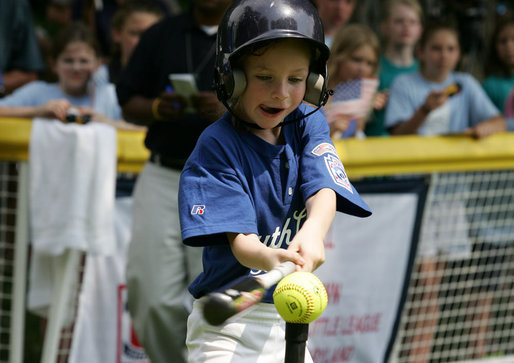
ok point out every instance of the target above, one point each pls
(159, 266)
(433, 101)
(353, 56)
(400, 28)
(334, 14)
(128, 23)
(499, 64)
(420, 103)
(75, 57)
(101, 16)
(20, 56)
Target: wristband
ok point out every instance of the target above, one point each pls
(155, 109)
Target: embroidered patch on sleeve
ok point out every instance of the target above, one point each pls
(198, 209)
(324, 148)
(336, 169)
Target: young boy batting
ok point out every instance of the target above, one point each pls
(264, 182)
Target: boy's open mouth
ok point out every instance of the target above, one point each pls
(271, 110)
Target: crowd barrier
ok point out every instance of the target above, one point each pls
(450, 306)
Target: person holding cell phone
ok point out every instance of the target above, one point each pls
(420, 102)
(159, 266)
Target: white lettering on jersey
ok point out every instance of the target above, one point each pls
(198, 209)
(283, 234)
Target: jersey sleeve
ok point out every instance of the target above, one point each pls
(213, 199)
(321, 167)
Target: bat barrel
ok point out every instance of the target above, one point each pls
(241, 294)
(217, 308)
(296, 339)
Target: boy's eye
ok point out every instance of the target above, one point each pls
(295, 79)
(263, 77)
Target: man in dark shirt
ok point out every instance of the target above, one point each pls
(159, 266)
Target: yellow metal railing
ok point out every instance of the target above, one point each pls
(15, 136)
(374, 156)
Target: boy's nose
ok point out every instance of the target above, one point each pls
(280, 90)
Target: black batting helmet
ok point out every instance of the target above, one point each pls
(249, 22)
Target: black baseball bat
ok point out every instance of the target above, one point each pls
(241, 294)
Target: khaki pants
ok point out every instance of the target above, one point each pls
(159, 267)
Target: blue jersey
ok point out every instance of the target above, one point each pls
(237, 182)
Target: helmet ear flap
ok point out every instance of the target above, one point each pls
(231, 85)
(314, 89)
(239, 83)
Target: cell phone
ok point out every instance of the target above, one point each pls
(453, 89)
(185, 85)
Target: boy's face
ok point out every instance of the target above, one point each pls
(440, 55)
(276, 82)
(403, 27)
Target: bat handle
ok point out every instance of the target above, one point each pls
(296, 339)
(276, 274)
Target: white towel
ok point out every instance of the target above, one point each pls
(72, 181)
(103, 328)
(72, 191)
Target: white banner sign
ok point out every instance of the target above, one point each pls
(364, 275)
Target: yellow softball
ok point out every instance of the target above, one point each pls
(300, 297)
